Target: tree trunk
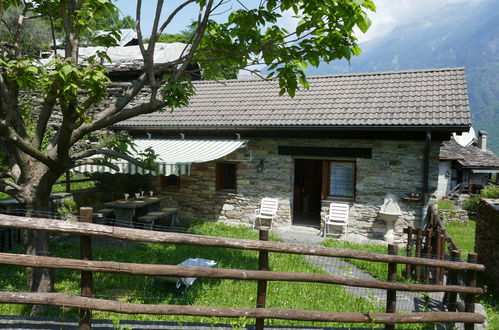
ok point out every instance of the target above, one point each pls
(37, 198)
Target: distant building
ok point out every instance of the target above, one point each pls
(466, 168)
(127, 62)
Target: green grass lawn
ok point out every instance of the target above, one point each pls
(376, 269)
(445, 205)
(463, 235)
(209, 292)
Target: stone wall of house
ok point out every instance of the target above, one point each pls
(486, 238)
(396, 167)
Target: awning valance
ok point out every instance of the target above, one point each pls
(488, 171)
(174, 156)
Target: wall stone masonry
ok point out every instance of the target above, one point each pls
(453, 215)
(396, 167)
(487, 239)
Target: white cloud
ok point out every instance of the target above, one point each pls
(392, 13)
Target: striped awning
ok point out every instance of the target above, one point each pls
(174, 156)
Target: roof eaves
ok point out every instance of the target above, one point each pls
(325, 127)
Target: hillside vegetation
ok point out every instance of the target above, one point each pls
(460, 35)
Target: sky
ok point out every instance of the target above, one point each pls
(389, 14)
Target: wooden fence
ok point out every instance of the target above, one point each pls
(430, 242)
(434, 242)
(87, 266)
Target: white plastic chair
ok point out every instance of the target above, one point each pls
(267, 211)
(338, 216)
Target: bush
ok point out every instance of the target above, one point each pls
(471, 204)
(491, 191)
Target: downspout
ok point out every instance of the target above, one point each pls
(426, 176)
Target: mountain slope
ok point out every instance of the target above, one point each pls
(459, 35)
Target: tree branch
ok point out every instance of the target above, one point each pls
(52, 31)
(172, 16)
(6, 175)
(83, 157)
(203, 22)
(139, 29)
(101, 120)
(99, 161)
(7, 27)
(9, 135)
(44, 116)
(10, 106)
(106, 121)
(18, 30)
(10, 184)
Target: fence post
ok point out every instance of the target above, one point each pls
(419, 247)
(469, 299)
(438, 254)
(429, 240)
(391, 295)
(408, 252)
(450, 299)
(442, 254)
(86, 277)
(263, 264)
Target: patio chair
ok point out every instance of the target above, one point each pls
(338, 216)
(267, 211)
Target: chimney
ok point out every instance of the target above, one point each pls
(482, 140)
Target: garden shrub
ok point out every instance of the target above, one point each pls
(490, 191)
(471, 204)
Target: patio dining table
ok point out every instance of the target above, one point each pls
(127, 211)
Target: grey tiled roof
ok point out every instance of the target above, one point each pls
(436, 97)
(469, 157)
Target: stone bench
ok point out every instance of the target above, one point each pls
(103, 216)
(147, 221)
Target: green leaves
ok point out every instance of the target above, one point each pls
(72, 79)
(119, 142)
(177, 93)
(324, 33)
(22, 72)
(363, 22)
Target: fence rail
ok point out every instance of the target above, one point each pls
(59, 299)
(86, 303)
(144, 236)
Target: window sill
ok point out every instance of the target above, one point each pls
(339, 199)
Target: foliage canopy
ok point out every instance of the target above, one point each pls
(52, 114)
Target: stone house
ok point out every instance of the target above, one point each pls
(352, 138)
(465, 168)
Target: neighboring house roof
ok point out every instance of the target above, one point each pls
(469, 157)
(419, 98)
(130, 57)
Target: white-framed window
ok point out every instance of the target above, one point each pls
(338, 179)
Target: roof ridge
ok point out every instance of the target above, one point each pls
(336, 75)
